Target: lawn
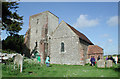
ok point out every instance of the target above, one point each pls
(35, 70)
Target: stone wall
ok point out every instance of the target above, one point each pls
(26, 47)
(44, 19)
(71, 55)
(83, 50)
(36, 29)
(38, 24)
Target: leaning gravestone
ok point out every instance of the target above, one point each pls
(109, 63)
(101, 64)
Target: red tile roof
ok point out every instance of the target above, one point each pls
(82, 36)
(92, 49)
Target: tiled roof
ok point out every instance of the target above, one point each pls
(82, 36)
(92, 49)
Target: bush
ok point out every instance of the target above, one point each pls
(88, 64)
(15, 43)
(10, 69)
(28, 66)
(31, 63)
(117, 67)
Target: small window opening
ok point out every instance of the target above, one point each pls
(62, 47)
(37, 21)
(35, 44)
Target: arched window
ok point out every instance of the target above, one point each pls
(62, 47)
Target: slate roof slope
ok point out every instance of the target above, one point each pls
(82, 36)
(92, 49)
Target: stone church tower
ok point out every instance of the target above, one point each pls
(41, 26)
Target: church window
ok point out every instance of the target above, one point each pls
(37, 21)
(36, 44)
(62, 47)
(45, 30)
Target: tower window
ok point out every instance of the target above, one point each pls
(36, 44)
(37, 21)
(62, 47)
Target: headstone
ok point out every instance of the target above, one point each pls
(18, 59)
(101, 64)
(109, 63)
(87, 61)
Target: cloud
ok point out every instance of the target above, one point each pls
(83, 21)
(113, 21)
(105, 35)
(110, 40)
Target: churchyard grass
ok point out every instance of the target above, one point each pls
(35, 70)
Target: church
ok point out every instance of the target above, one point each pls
(60, 41)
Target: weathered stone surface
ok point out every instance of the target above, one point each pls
(71, 54)
(19, 61)
(87, 61)
(109, 63)
(75, 49)
(41, 26)
(101, 64)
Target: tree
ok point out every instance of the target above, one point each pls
(11, 21)
(13, 43)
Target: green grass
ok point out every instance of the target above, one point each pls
(57, 71)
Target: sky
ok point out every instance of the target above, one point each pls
(64, 0)
(96, 20)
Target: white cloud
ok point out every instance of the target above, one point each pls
(113, 21)
(83, 21)
(105, 35)
(110, 40)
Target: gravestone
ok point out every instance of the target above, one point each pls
(109, 63)
(87, 61)
(18, 59)
(101, 64)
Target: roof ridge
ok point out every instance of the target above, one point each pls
(81, 35)
(44, 12)
(96, 46)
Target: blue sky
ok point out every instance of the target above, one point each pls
(97, 20)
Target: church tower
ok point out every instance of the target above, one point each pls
(41, 26)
